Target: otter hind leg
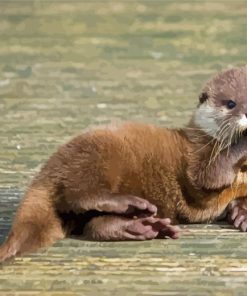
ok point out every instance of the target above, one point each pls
(118, 228)
(116, 203)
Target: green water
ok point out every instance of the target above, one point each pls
(70, 65)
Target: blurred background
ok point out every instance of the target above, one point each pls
(70, 65)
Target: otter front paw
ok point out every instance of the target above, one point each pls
(238, 217)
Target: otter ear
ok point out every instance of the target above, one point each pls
(203, 97)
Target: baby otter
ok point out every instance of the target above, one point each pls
(188, 174)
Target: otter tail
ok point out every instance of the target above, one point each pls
(36, 225)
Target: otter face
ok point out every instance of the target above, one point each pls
(222, 111)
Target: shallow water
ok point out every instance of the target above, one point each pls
(70, 65)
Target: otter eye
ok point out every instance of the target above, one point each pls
(231, 104)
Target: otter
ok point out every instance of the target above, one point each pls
(139, 180)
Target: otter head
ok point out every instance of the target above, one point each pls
(222, 109)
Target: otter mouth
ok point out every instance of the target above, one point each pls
(245, 133)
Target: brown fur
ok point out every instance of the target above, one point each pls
(98, 169)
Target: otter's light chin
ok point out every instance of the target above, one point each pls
(205, 118)
(243, 122)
